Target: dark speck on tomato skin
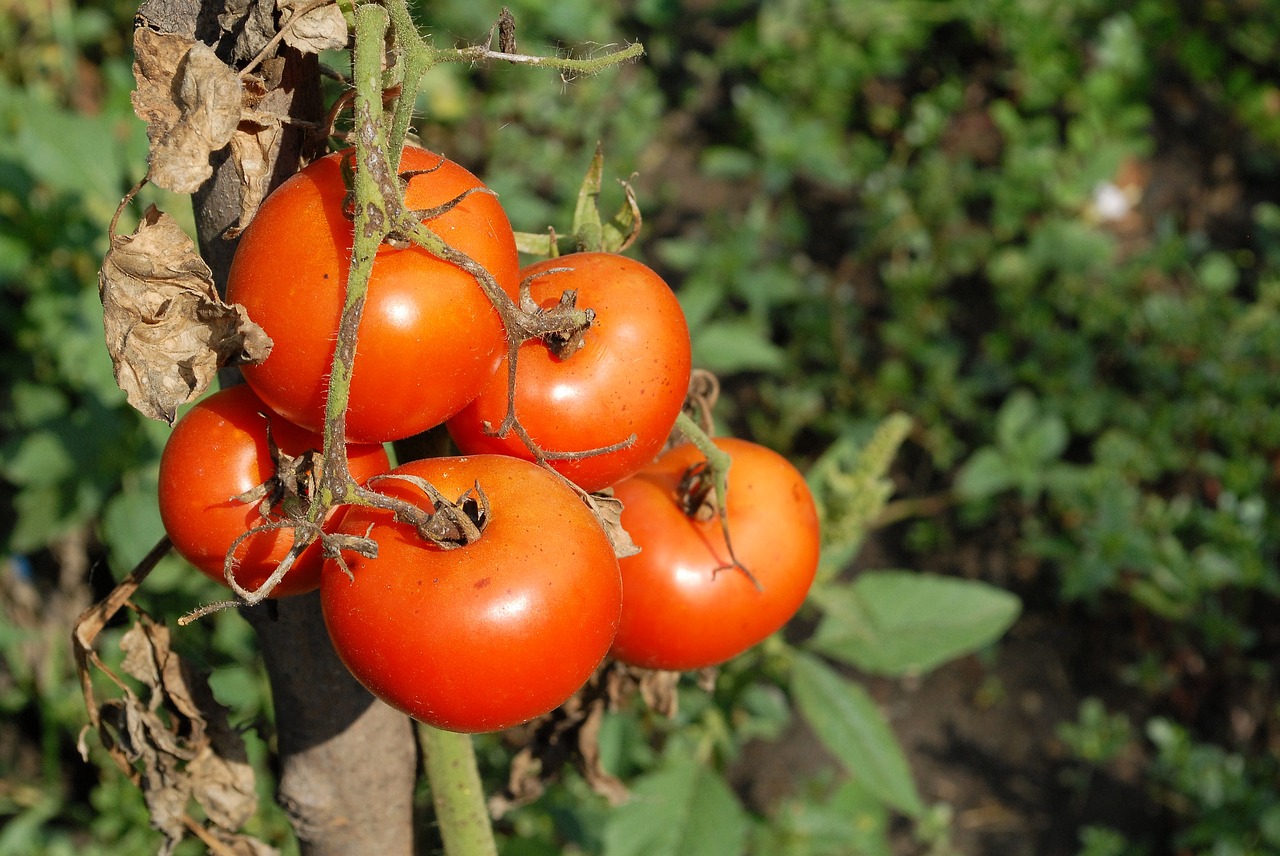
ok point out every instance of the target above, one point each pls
(482, 583)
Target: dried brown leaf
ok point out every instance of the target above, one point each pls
(608, 511)
(318, 28)
(601, 780)
(191, 102)
(223, 784)
(658, 689)
(252, 22)
(178, 742)
(167, 330)
(252, 148)
(570, 734)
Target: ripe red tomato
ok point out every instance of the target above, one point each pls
(486, 636)
(630, 376)
(428, 337)
(683, 608)
(218, 450)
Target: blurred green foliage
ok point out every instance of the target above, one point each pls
(1049, 231)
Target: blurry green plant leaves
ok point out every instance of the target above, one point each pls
(903, 623)
(681, 809)
(852, 728)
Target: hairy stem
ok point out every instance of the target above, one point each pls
(372, 172)
(457, 793)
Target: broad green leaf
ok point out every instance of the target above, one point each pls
(683, 809)
(1044, 439)
(42, 458)
(849, 724)
(900, 622)
(1014, 418)
(734, 346)
(131, 521)
(985, 474)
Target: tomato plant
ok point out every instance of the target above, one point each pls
(484, 636)
(686, 604)
(217, 451)
(629, 377)
(428, 336)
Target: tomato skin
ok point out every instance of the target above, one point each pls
(682, 608)
(428, 337)
(218, 450)
(486, 636)
(631, 375)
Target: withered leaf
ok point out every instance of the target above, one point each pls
(167, 330)
(314, 29)
(191, 102)
(252, 149)
(601, 780)
(252, 22)
(608, 511)
(568, 735)
(223, 784)
(179, 741)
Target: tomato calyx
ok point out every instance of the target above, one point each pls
(450, 523)
(562, 328)
(292, 484)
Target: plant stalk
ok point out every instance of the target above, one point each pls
(457, 793)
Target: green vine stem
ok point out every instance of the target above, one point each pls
(457, 793)
(718, 461)
(372, 225)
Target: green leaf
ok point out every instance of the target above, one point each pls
(851, 820)
(131, 521)
(1045, 439)
(848, 723)
(985, 474)
(42, 458)
(900, 622)
(734, 346)
(684, 809)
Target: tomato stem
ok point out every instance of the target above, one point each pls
(718, 460)
(457, 793)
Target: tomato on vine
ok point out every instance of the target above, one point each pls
(686, 604)
(628, 379)
(217, 451)
(428, 336)
(487, 635)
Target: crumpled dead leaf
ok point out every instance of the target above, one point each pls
(312, 28)
(252, 149)
(167, 330)
(608, 511)
(570, 734)
(253, 24)
(171, 737)
(191, 102)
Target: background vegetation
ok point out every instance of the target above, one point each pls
(1048, 231)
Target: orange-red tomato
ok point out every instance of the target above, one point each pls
(630, 376)
(684, 607)
(428, 337)
(218, 450)
(485, 636)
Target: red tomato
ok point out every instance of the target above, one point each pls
(428, 337)
(486, 636)
(630, 377)
(684, 607)
(218, 450)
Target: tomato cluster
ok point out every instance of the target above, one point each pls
(486, 588)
